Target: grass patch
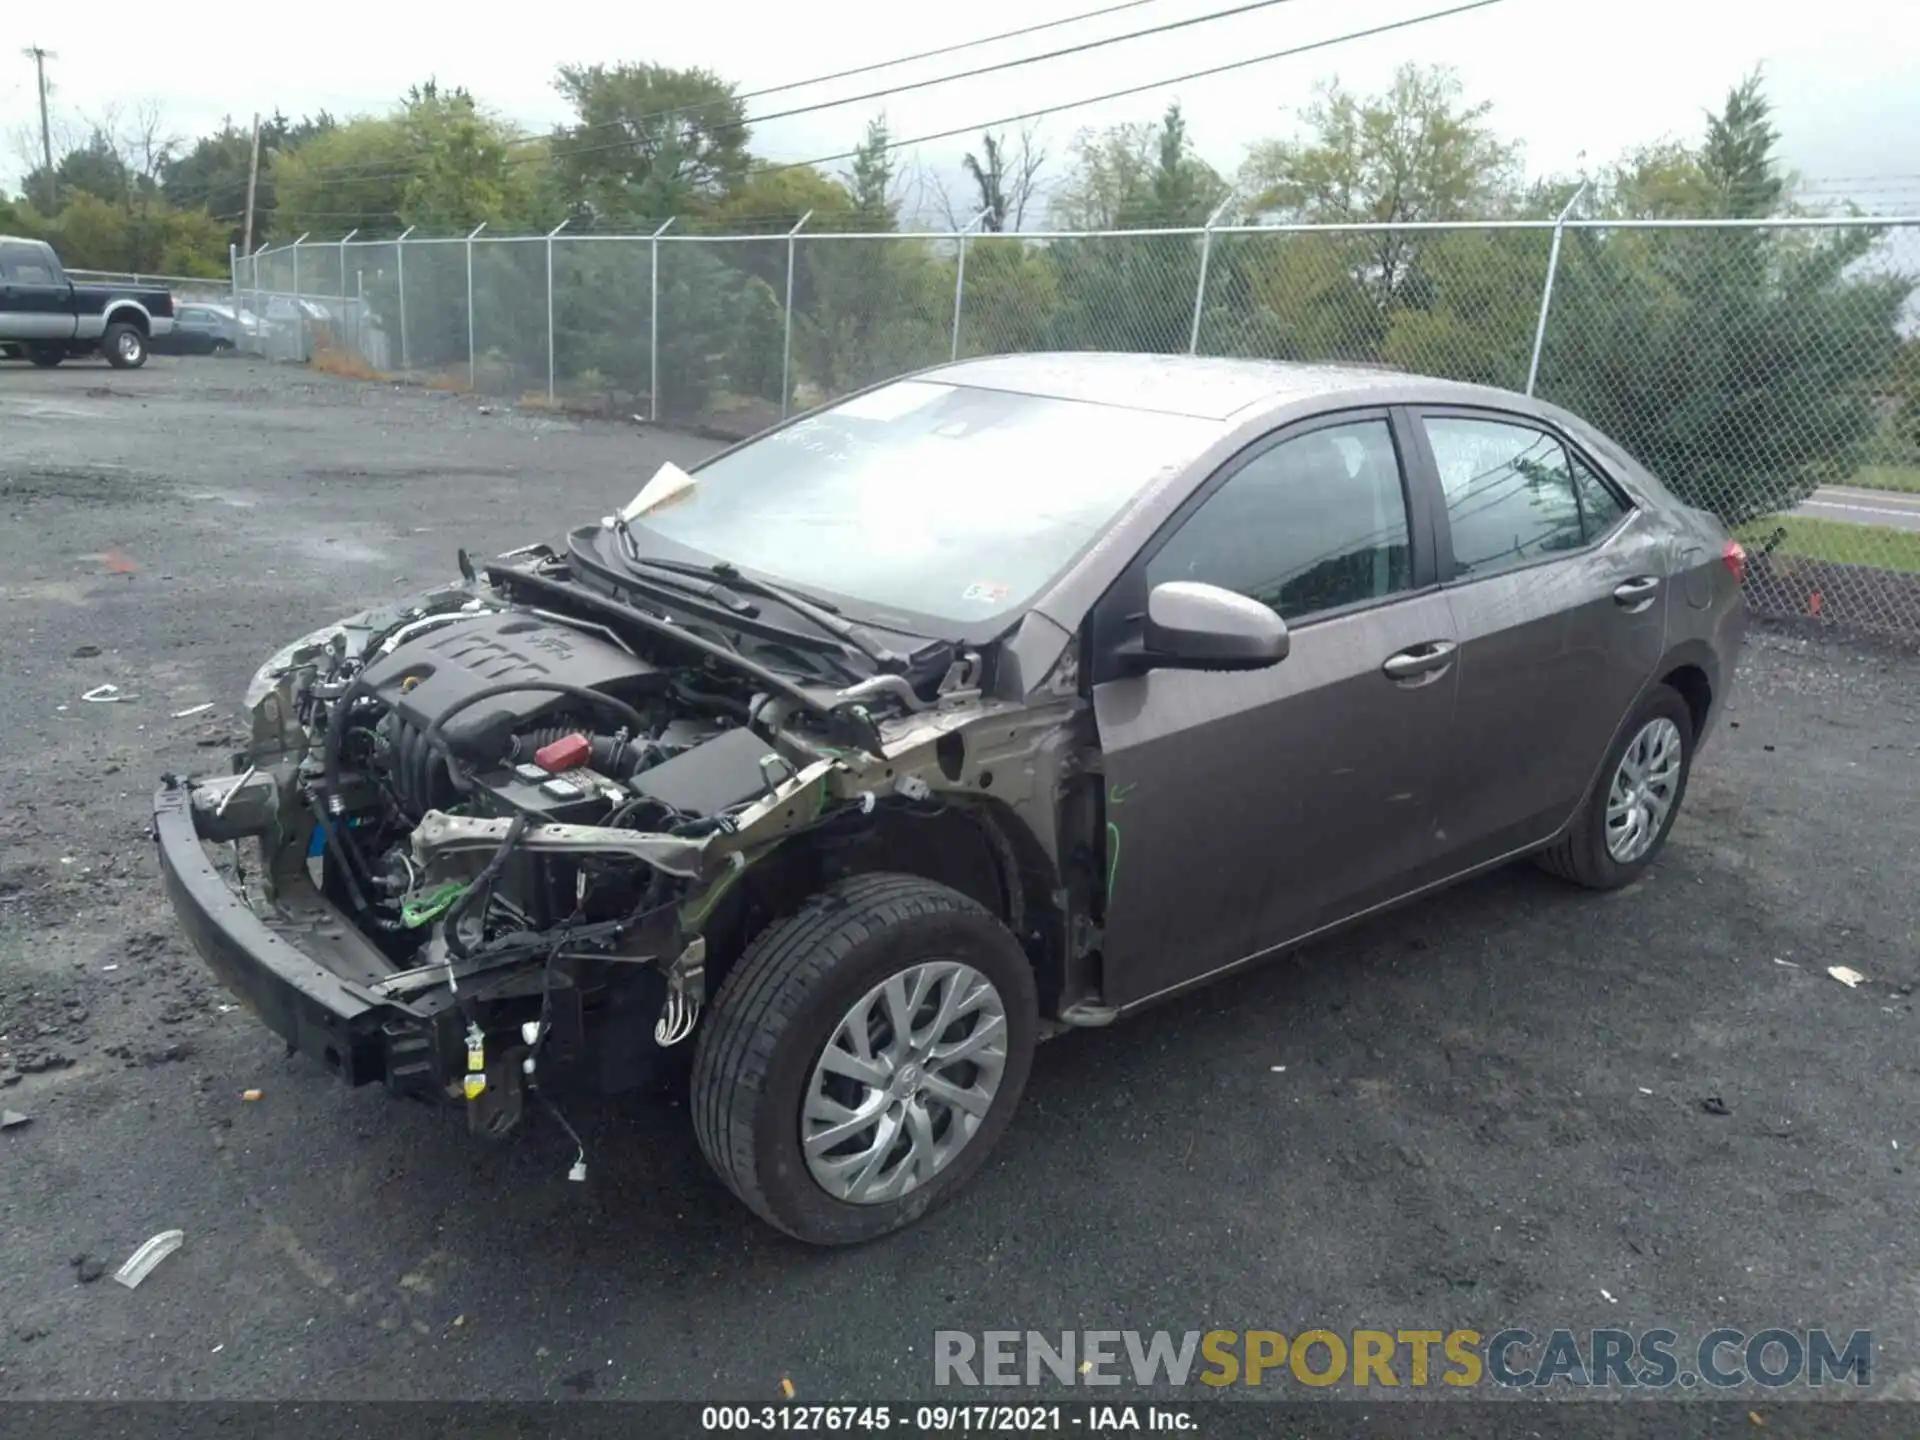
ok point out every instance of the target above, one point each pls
(344, 363)
(1903, 478)
(1837, 542)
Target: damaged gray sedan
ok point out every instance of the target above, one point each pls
(998, 700)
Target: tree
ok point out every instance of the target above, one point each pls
(1415, 153)
(351, 178)
(94, 168)
(649, 142)
(1744, 366)
(459, 163)
(770, 200)
(439, 162)
(212, 174)
(1005, 181)
(870, 182)
(870, 308)
(1132, 293)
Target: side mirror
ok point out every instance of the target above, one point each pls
(1191, 626)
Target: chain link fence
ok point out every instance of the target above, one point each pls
(1768, 370)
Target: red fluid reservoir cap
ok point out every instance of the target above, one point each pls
(565, 753)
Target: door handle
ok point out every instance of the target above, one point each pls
(1417, 661)
(1636, 591)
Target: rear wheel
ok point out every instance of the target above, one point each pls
(1624, 822)
(45, 356)
(863, 1057)
(125, 347)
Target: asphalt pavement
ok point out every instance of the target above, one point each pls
(1515, 1103)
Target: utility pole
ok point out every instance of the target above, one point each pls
(253, 181)
(40, 58)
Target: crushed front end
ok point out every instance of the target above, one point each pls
(473, 841)
(477, 841)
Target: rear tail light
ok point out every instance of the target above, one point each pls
(1735, 556)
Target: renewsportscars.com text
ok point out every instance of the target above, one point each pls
(1417, 1359)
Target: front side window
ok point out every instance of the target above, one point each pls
(946, 501)
(1509, 492)
(1313, 524)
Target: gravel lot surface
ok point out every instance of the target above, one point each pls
(1515, 1103)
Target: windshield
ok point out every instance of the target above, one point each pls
(936, 500)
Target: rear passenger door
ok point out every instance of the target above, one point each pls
(34, 298)
(1246, 809)
(1558, 596)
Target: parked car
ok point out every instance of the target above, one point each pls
(47, 318)
(1003, 699)
(291, 328)
(200, 329)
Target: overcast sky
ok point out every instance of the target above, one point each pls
(1571, 78)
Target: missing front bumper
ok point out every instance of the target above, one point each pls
(305, 975)
(309, 974)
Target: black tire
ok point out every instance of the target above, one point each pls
(124, 345)
(46, 356)
(781, 1004)
(1581, 855)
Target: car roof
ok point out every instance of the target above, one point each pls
(1205, 387)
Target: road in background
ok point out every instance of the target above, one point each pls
(1896, 508)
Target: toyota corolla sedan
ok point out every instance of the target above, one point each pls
(992, 702)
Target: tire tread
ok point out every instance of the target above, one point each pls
(763, 991)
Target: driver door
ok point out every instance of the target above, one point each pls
(1245, 809)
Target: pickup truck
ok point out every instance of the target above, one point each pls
(46, 317)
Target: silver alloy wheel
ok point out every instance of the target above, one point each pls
(129, 345)
(1643, 788)
(904, 1082)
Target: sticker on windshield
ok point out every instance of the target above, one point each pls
(984, 594)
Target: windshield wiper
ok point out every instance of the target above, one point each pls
(819, 612)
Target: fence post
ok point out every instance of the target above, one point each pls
(259, 314)
(296, 278)
(550, 234)
(343, 265)
(400, 284)
(960, 277)
(786, 340)
(1206, 258)
(1546, 293)
(233, 286)
(473, 366)
(653, 324)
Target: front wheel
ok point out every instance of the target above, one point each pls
(863, 1057)
(1625, 820)
(125, 346)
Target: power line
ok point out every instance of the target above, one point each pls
(1212, 70)
(1350, 35)
(943, 50)
(1247, 7)
(1023, 60)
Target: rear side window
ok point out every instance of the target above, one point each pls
(25, 265)
(1510, 493)
(1599, 506)
(1315, 523)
